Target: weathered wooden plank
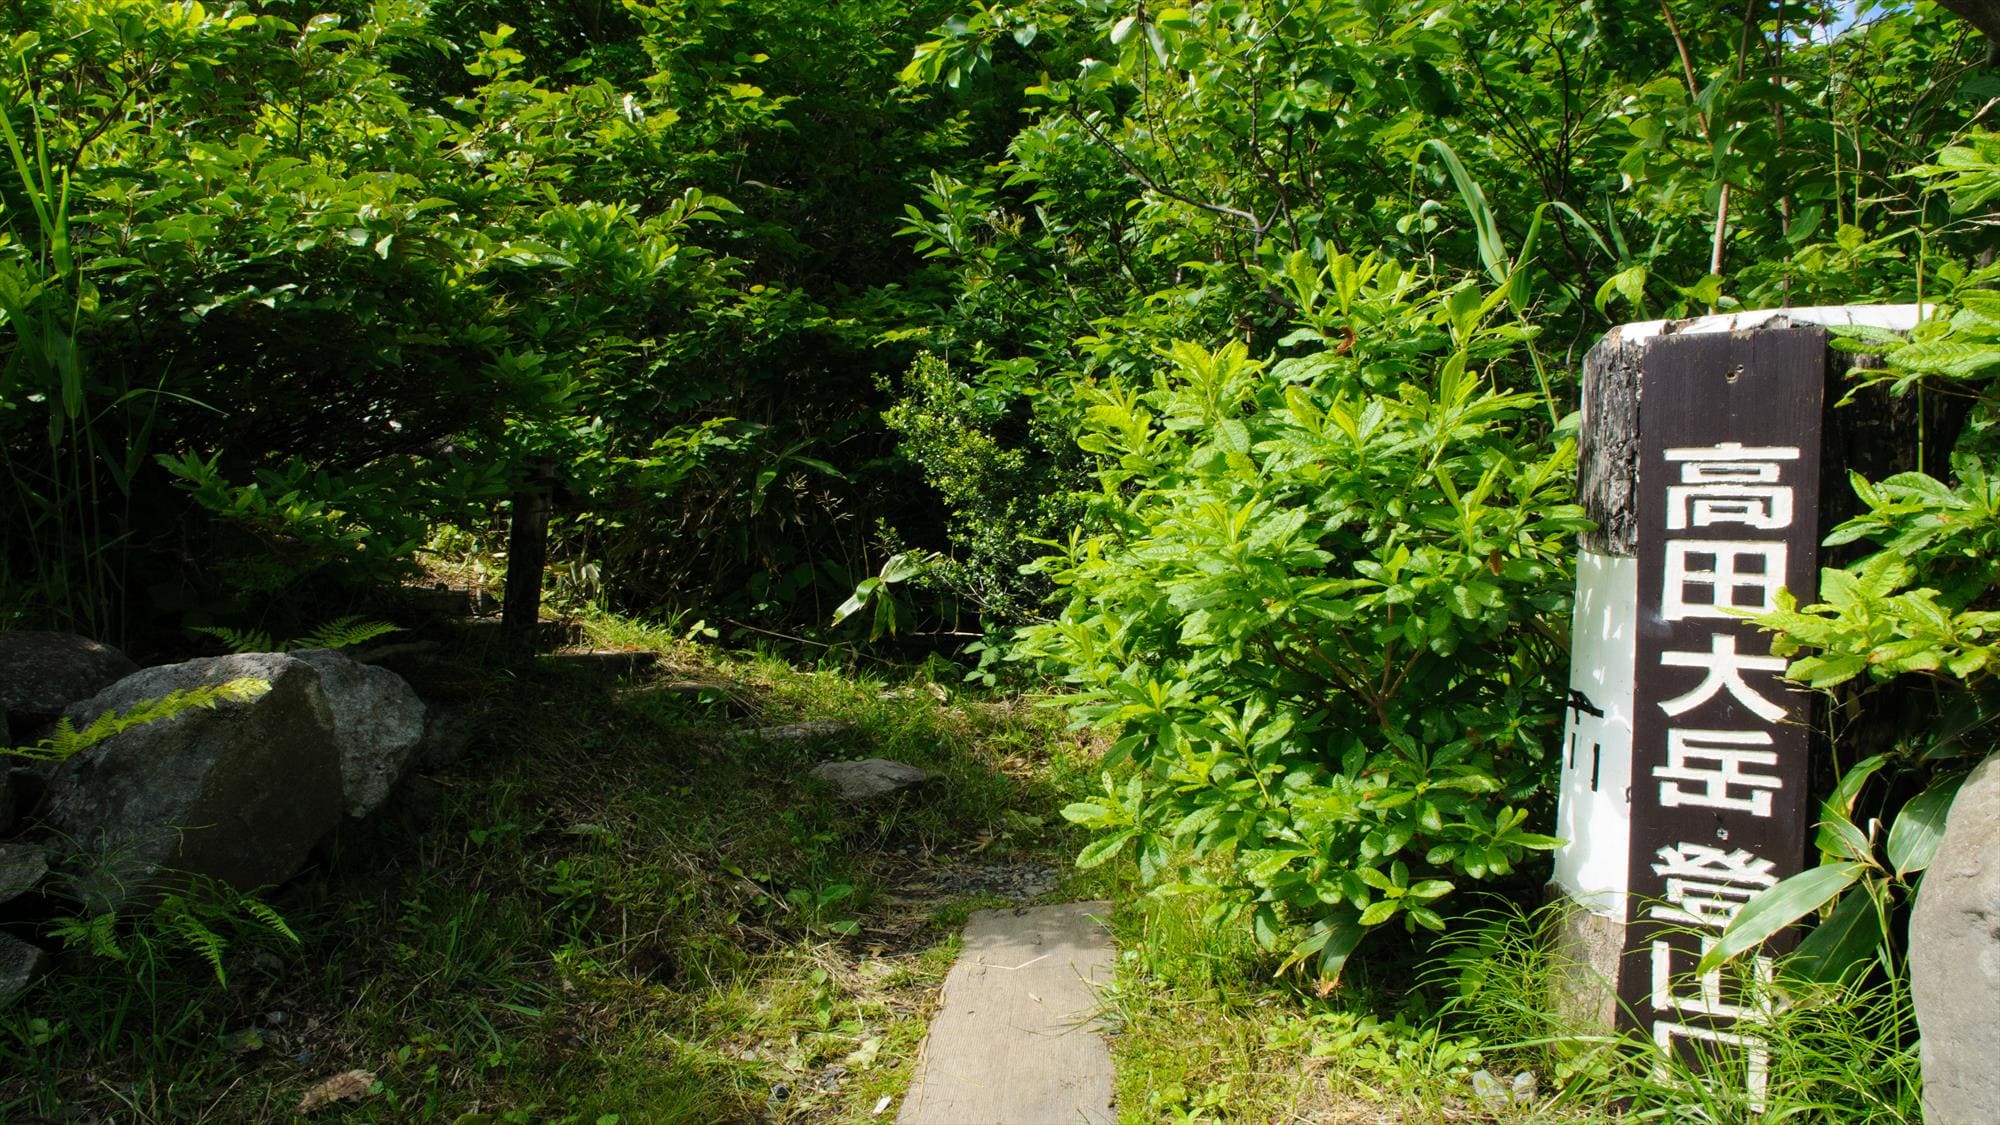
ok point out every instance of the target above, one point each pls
(1012, 1041)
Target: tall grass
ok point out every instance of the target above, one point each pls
(70, 497)
(1837, 1053)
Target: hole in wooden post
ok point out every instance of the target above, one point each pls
(1733, 372)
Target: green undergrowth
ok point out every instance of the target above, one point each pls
(1203, 1031)
(625, 905)
(622, 907)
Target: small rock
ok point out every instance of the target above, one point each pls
(1493, 1094)
(21, 867)
(813, 730)
(41, 674)
(870, 778)
(19, 963)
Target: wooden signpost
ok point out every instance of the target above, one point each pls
(1686, 756)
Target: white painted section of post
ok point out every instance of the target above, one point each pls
(1594, 814)
(1893, 318)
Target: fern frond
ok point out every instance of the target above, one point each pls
(244, 640)
(104, 936)
(97, 933)
(270, 918)
(183, 919)
(343, 632)
(60, 744)
(66, 741)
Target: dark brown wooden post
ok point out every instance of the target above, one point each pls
(527, 557)
(1713, 460)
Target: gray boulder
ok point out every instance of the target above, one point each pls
(21, 867)
(377, 721)
(238, 793)
(871, 778)
(19, 963)
(1955, 959)
(41, 674)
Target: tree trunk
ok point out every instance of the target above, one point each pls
(527, 556)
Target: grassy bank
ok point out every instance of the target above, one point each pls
(622, 906)
(625, 904)
(1441, 1031)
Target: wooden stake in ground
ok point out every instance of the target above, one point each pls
(527, 557)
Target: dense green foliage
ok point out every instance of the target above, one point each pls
(1215, 360)
(1320, 615)
(1918, 607)
(342, 278)
(1604, 160)
(1332, 654)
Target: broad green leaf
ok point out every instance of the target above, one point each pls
(1845, 938)
(1845, 841)
(1084, 812)
(1100, 851)
(1779, 906)
(1919, 826)
(1264, 926)
(1341, 939)
(1629, 284)
(1379, 912)
(864, 592)
(905, 566)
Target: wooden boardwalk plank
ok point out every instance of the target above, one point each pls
(1013, 1042)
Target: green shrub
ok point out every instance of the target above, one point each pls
(1326, 619)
